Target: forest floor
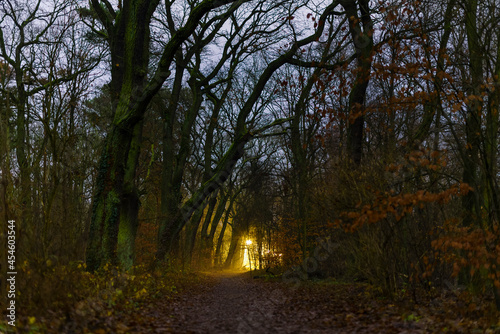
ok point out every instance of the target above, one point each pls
(235, 302)
(241, 303)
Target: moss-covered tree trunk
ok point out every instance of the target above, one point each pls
(114, 212)
(116, 201)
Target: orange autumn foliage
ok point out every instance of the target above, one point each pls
(472, 248)
(399, 205)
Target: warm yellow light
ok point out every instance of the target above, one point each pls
(249, 242)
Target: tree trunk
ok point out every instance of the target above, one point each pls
(234, 248)
(491, 169)
(363, 42)
(221, 207)
(220, 239)
(300, 163)
(172, 226)
(204, 229)
(169, 231)
(116, 202)
(471, 201)
(207, 239)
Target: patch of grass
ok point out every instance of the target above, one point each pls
(412, 317)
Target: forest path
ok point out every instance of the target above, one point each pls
(233, 302)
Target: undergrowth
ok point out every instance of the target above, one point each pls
(69, 299)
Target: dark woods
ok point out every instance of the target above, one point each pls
(230, 134)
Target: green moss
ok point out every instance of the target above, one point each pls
(126, 238)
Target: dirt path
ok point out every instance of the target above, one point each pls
(236, 303)
(232, 302)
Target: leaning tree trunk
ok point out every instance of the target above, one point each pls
(177, 217)
(216, 220)
(204, 251)
(170, 229)
(220, 239)
(191, 232)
